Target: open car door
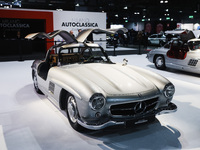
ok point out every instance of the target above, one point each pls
(178, 50)
(68, 38)
(82, 37)
(185, 35)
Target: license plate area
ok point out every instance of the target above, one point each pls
(130, 123)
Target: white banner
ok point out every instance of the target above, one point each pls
(73, 21)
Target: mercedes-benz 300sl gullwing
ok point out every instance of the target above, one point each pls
(177, 55)
(96, 92)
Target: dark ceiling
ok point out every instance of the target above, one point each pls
(120, 11)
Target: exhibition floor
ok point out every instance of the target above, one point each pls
(29, 121)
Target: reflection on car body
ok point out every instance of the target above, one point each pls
(95, 92)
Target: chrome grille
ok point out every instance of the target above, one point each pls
(134, 108)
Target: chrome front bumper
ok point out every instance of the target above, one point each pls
(165, 110)
(98, 127)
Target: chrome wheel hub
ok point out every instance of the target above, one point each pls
(159, 61)
(72, 109)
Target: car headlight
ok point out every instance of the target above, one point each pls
(97, 101)
(169, 90)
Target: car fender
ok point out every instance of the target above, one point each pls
(80, 89)
(66, 88)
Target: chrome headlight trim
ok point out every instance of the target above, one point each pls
(97, 101)
(169, 90)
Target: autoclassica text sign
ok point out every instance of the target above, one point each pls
(71, 20)
(79, 24)
(76, 20)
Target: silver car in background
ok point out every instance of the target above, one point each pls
(177, 55)
(157, 39)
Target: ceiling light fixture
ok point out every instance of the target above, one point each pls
(136, 13)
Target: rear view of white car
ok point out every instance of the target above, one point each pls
(177, 55)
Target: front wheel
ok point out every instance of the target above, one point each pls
(72, 112)
(160, 62)
(35, 82)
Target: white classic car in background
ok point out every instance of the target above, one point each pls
(95, 92)
(177, 55)
(157, 39)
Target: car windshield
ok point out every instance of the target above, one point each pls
(83, 55)
(194, 45)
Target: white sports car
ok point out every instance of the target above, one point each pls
(95, 92)
(177, 55)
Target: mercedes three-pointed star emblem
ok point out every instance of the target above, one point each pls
(139, 107)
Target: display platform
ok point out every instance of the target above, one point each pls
(29, 121)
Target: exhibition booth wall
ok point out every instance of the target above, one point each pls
(15, 24)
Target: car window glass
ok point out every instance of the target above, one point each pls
(70, 50)
(94, 54)
(76, 50)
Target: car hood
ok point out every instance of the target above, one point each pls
(113, 79)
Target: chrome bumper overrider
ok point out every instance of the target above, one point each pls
(169, 109)
(165, 110)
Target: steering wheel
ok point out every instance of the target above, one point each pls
(93, 59)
